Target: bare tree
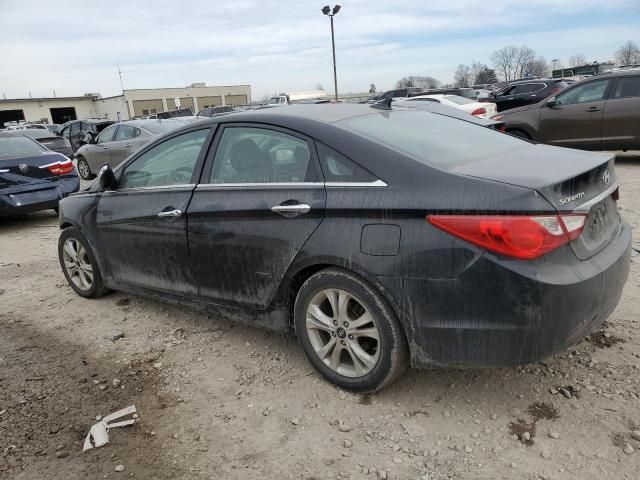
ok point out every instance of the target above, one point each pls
(577, 60)
(463, 76)
(628, 53)
(417, 81)
(319, 87)
(503, 61)
(372, 88)
(525, 56)
(476, 69)
(538, 67)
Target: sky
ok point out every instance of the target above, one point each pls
(73, 47)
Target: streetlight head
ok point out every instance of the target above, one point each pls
(326, 9)
(336, 9)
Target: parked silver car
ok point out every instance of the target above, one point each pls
(118, 141)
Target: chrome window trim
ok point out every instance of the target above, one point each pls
(586, 206)
(182, 186)
(210, 186)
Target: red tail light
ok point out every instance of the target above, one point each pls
(524, 237)
(60, 168)
(479, 111)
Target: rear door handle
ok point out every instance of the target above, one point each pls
(593, 109)
(128, 144)
(105, 147)
(170, 213)
(291, 210)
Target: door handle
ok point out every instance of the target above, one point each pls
(128, 144)
(104, 147)
(170, 213)
(291, 210)
(593, 109)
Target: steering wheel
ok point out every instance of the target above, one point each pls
(180, 176)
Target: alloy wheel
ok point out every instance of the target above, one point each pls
(343, 332)
(83, 168)
(77, 264)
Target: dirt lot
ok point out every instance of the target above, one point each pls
(221, 401)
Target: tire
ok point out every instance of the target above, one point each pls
(84, 170)
(77, 275)
(385, 357)
(519, 134)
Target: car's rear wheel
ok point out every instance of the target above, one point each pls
(519, 133)
(84, 170)
(348, 331)
(79, 264)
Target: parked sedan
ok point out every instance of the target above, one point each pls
(525, 92)
(383, 236)
(31, 176)
(49, 140)
(600, 113)
(120, 140)
(472, 107)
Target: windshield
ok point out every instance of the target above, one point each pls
(432, 139)
(458, 100)
(11, 147)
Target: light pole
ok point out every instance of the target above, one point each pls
(327, 10)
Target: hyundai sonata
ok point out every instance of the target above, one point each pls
(382, 236)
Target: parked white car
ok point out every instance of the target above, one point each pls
(477, 109)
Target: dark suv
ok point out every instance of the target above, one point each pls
(399, 93)
(525, 92)
(76, 131)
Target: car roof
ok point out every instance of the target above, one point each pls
(322, 112)
(145, 122)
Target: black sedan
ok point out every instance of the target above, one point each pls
(32, 177)
(382, 236)
(49, 140)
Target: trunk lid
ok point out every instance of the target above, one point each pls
(31, 170)
(570, 180)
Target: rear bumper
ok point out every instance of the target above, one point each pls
(500, 312)
(19, 201)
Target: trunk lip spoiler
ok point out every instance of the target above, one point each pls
(586, 206)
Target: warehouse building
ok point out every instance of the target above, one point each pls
(132, 103)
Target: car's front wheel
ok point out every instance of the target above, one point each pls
(348, 331)
(79, 264)
(84, 170)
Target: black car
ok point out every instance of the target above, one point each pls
(524, 92)
(32, 177)
(215, 110)
(382, 236)
(460, 91)
(397, 93)
(79, 132)
(49, 140)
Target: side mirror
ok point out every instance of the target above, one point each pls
(551, 102)
(106, 178)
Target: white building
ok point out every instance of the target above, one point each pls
(131, 103)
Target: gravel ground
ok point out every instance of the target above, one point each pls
(217, 400)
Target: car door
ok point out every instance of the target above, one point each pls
(98, 153)
(515, 96)
(575, 118)
(142, 223)
(75, 135)
(122, 144)
(260, 198)
(621, 118)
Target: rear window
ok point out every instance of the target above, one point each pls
(458, 100)
(11, 147)
(161, 126)
(432, 139)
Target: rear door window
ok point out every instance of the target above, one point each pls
(261, 155)
(627, 87)
(107, 134)
(125, 132)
